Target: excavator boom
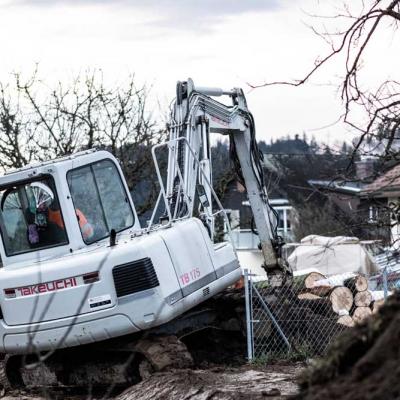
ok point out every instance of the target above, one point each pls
(194, 116)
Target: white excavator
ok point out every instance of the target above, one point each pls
(81, 277)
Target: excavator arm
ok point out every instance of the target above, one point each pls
(194, 116)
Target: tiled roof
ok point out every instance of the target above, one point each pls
(388, 182)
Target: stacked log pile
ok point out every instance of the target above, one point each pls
(346, 295)
(309, 312)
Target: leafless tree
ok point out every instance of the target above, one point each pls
(15, 133)
(350, 33)
(363, 20)
(38, 122)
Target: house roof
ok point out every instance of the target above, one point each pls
(385, 184)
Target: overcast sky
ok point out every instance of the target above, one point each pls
(216, 42)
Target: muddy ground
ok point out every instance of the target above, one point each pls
(216, 383)
(247, 382)
(220, 370)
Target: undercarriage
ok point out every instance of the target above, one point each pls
(203, 334)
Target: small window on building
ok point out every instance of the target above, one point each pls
(373, 214)
(281, 219)
(100, 200)
(288, 220)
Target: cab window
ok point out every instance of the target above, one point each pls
(100, 200)
(30, 217)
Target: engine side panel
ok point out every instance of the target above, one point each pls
(67, 317)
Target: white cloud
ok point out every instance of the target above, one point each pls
(177, 14)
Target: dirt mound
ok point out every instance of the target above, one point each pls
(362, 364)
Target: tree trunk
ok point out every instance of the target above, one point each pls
(358, 283)
(324, 286)
(341, 299)
(346, 320)
(335, 280)
(320, 291)
(307, 281)
(308, 296)
(360, 313)
(363, 299)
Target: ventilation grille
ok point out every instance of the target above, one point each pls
(134, 277)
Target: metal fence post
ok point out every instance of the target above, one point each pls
(385, 283)
(249, 321)
(250, 274)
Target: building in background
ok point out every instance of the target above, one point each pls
(381, 200)
(238, 207)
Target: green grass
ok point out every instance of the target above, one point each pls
(301, 353)
(262, 285)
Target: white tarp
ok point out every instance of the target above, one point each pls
(332, 255)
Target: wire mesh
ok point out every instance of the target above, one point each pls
(299, 321)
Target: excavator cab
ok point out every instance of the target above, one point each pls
(77, 266)
(49, 209)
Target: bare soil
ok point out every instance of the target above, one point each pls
(216, 383)
(247, 382)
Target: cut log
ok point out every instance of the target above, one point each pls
(360, 313)
(320, 291)
(346, 320)
(311, 278)
(308, 296)
(376, 305)
(363, 299)
(323, 287)
(341, 298)
(358, 283)
(335, 280)
(306, 281)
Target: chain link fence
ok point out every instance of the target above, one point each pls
(298, 320)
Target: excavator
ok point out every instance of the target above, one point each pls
(87, 294)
